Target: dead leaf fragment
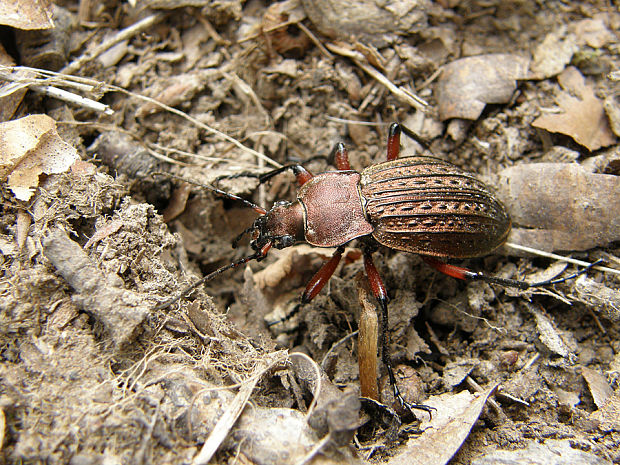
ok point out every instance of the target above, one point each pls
(467, 85)
(26, 14)
(560, 206)
(552, 451)
(367, 20)
(609, 414)
(11, 93)
(598, 385)
(280, 38)
(449, 426)
(593, 32)
(583, 115)
(548, 334)
(173, 91)
(601, 298)
(29, 147)
(553, 54)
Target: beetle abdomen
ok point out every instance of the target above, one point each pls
(427, 206)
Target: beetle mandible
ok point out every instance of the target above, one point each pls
(416, 204)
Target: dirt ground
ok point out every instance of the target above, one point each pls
(97, 367)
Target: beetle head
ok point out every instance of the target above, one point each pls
(283, 226)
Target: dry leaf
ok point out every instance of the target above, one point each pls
(599, 297)
(367, 20)
(27, 14)
(549, 452)
(593, 32)
(449, 427)
(609, 414)
(553, 54)
(583, 117)
(173, 91)
(467, 85)
(599, 387)
(29, 147)
(562, 205)
(11, 93)
(555, 341)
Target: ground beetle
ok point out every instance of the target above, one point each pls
(417, 204)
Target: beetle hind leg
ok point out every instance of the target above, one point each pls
(378, 290)
(468, 275)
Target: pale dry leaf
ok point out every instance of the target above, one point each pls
(609, 414)
(549, 335)
(27, 14)
(553, 54)
(549, 452)
(583, 115)
(467, 85)
(291, 261)
(29, 147)
(449, 426)
(593, 32)
(11, 93)
(599, 297)
(599, 387)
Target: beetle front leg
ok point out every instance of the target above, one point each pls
(378, 290)
(321, 277)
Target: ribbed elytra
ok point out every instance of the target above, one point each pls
(428, 206)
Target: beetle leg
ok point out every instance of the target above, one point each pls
(301, 173)
(378, 290)
(465, 274)
(321, 277)
(393, 142)
(340, 156)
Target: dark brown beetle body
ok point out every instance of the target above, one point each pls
(427, 206)
(417, 204)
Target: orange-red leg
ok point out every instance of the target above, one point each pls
(378, 290)
(341, 157)
(393, 142)
(468, 275)
(321, 277)
(301, 173)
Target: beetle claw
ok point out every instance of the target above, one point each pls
(411, 407)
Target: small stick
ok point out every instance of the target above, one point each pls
(561, 258)
(123, 34)
(367, 343)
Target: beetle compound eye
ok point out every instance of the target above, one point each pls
(284, 241)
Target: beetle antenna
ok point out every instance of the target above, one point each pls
(416, 137)
(255, 256)
(221, 193)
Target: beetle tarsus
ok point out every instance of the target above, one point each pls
(569, 277)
